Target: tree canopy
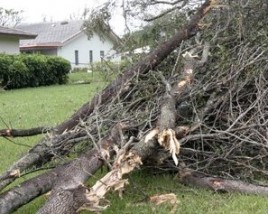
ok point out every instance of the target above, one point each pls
(10, 17)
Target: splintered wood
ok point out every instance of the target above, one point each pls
(168, 140)
(124, 164)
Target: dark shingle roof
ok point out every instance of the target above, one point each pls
(52, 33)
(56, 33)
(16, 32)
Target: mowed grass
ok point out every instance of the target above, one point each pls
(191, 200)
(43, 106)
(48, 106)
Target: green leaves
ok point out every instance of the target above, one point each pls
(18, 71)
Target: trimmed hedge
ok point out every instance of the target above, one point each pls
(32, 70)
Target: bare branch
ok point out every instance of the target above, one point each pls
(168, 10)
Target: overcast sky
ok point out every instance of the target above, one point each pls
(56, 10)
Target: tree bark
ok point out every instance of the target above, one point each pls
(32, 188)
(40, 154)
(23, 132)
(68, 176)
(221, 185)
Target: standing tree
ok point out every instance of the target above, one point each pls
(197, 103)
(10, 17)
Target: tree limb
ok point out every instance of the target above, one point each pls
(117, 87)
(64, 177)
(152, 60)
(167, 11)
(23, 132)
(221, 185)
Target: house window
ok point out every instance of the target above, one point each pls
(90, 56)
(102, 55)
(76, 55)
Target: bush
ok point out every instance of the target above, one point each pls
(38, 69)
(5, 61)
(59, 69)
(18, 71)
(18, 75)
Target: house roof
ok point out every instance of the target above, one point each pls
(16, 32)
(52, 34)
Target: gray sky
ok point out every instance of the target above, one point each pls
(55, 10)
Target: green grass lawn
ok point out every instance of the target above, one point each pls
(48, 106)
(192, 200)
(43, 106)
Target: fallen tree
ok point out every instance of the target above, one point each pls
(206, 113)
(120, 86)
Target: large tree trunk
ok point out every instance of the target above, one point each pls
(41, 153)
(64, 177)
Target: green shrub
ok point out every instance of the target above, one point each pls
(32, 70)
(59, 68)
(5, 61)
(38, 68)
(18, 74)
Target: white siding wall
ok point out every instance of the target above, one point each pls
(9, 45)
(83, 46)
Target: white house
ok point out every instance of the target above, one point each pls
(9, 39)
(68, 40)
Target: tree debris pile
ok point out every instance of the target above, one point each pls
(220, 120)
(204, 108)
